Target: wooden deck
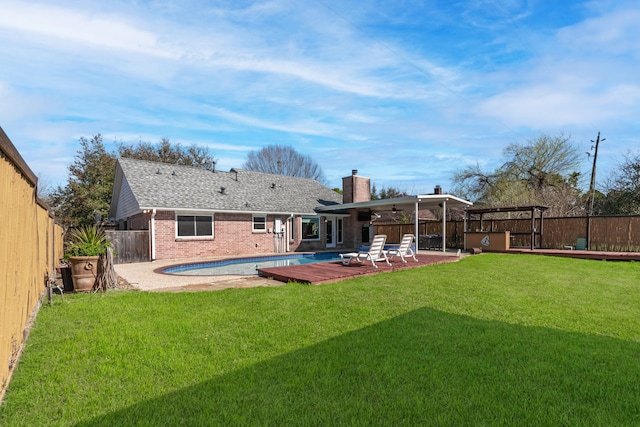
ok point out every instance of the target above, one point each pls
(333, 271)
(609, 256)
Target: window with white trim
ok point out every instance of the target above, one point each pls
(310, 228)
(194, 226)
(339, 229)
(259, 224)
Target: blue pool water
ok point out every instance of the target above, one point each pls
(249, 266)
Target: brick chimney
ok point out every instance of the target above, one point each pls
(356, 188)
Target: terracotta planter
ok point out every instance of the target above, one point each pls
(84, 271)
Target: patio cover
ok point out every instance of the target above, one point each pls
(422, 201)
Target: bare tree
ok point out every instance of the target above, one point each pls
(283, 160)
(542, 171)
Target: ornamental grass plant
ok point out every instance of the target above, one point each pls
(490, 340)
(87, 240)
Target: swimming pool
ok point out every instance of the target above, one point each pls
(249, 266)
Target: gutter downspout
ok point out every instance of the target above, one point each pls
(290, 224)
(152, 234)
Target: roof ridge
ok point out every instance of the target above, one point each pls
(275, 175)
(131, 159)
(233, 170)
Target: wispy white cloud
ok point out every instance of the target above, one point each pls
(554, 106)
(613, 33)
(79, 27)
(398, 90)
(581, 79)
(307, 127)
(366, 69)
(16, 106)
(496, 14)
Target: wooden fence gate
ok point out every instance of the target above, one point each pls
(130, 245)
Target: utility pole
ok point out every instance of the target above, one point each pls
(592, 187)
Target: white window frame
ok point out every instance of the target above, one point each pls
(194, 215)
(254, 223)
(302, 222)
(339, 230)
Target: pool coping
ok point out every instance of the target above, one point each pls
(143, 276)
(248, 258)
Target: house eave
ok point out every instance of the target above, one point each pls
(226, 211)
(423, 200)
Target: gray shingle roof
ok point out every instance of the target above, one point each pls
(161, 185)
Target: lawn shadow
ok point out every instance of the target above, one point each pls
(423, 367)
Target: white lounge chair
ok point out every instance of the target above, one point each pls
(375, 253)
(404, 250)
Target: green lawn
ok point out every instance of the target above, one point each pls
(490, 340)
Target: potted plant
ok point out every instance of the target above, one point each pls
(83, 251)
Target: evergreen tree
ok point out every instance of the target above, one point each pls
(386, 193)
(87, 194)
(86, 197)
(166, 152)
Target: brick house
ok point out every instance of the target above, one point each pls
(194, 212)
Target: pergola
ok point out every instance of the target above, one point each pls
(533, 209)
(422, 201)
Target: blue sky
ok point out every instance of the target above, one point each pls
(405, 91)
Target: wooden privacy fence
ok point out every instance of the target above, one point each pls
(602, 233)
(130, 245)
(31, 245)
